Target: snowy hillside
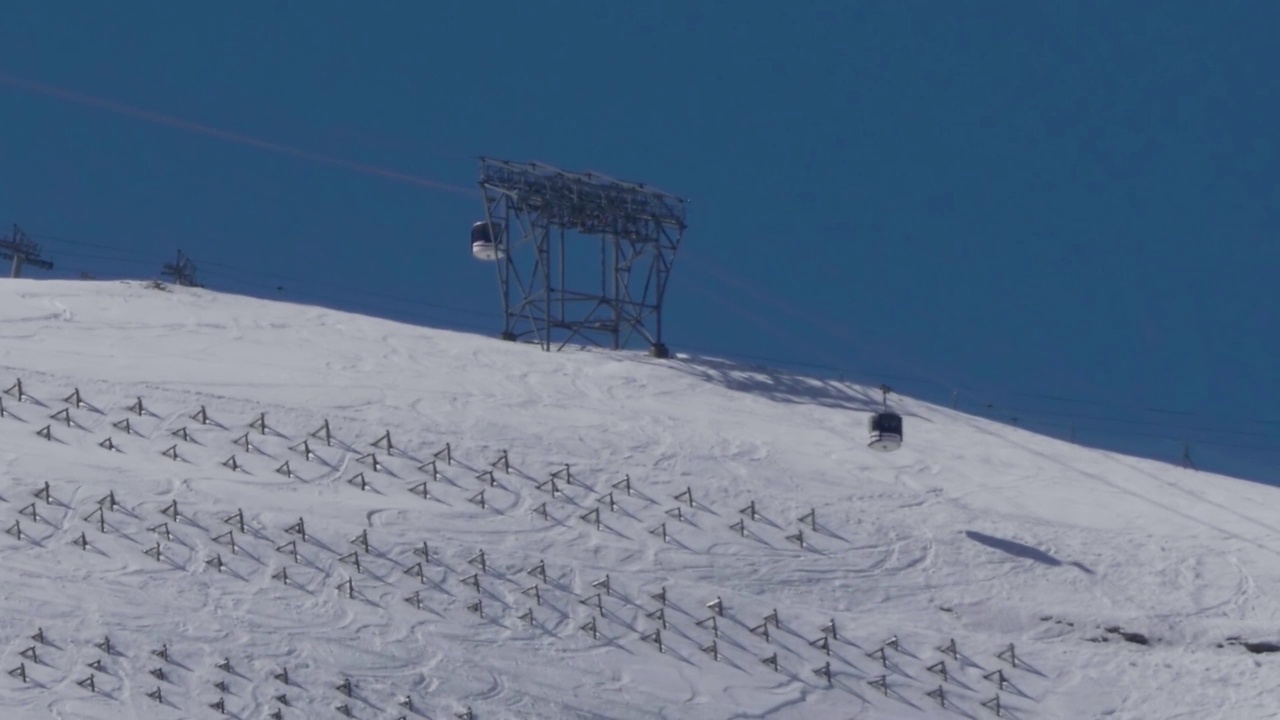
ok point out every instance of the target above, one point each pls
(611, 568)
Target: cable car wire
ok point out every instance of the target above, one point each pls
(1090, 423)
(156, 118)
(937, 378)
(242, 275)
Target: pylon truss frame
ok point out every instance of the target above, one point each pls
(23, 251)
(543, 218)
(182, 270)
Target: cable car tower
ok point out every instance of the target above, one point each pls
(182, 270)
(579, 255)
(23, 251)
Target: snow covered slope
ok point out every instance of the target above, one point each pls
(1127, 588)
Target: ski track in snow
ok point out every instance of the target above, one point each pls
(973, 531)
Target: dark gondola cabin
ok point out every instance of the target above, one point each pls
(886, 431)
(885, 427)
(484, 240)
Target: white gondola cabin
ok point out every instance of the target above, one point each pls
(486, 240)
(885, 427)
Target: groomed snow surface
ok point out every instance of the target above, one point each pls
(1127, 588)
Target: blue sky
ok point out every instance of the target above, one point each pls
(1067, 211)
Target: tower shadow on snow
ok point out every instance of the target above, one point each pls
(776, 384)
(1022, 550)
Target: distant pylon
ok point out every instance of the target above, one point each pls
(182, 270)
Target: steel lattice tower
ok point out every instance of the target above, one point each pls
(23, 251)
(182, 270)
(580, 255)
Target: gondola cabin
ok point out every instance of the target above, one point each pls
(886, 431)
(885, 426)
(485, 240)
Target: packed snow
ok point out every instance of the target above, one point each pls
(496, 530)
